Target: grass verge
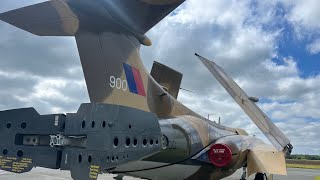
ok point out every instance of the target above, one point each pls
(303, 166)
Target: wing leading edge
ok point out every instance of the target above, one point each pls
(278, 139)
(67, 17)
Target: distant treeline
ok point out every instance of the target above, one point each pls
(304, 157)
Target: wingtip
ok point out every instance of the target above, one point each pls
(198, 56)
(1, 16)
(5, 16)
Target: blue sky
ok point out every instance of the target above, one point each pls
(289, 44)
(271, 48)
(309, 64)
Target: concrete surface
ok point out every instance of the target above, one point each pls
(46, 174)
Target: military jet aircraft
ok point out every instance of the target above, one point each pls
(134, 125)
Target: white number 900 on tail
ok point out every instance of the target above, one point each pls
(118, 83)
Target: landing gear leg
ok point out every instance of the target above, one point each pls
(119, 177)
(260, 176)
(244, 173)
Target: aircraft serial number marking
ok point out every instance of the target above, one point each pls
(118, 83)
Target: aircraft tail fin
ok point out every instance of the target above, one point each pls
(278, 139)
(109, 35)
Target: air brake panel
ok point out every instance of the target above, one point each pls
(168, 78)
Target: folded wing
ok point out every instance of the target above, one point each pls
(268, 128)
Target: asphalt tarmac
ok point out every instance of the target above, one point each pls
(293, 174)
(45, 174)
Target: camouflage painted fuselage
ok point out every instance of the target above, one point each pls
(109, 34)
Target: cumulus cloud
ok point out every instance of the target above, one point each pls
(42, 72)
(303, 14)
(240, 41)
(314, 47)
(241, 36)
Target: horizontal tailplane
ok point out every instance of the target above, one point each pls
(66, 17)
(51, 18)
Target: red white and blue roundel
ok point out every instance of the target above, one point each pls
(134, 80)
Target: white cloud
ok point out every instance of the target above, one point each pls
(236, 40)
(231, 32)
(304, 17)
(58, 95)
(224, 13)
(314, 47)
(303, 14)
